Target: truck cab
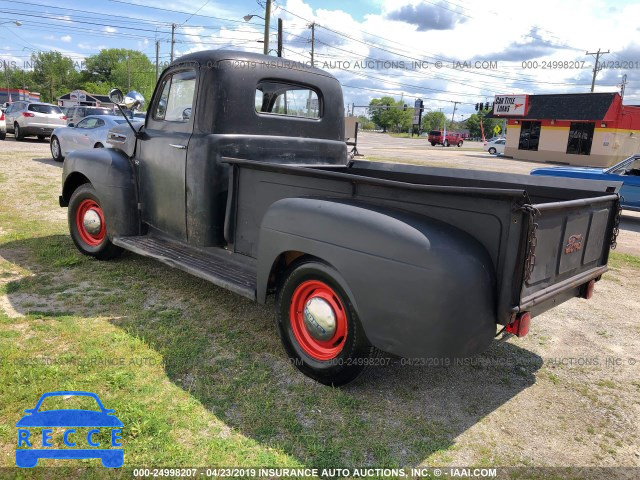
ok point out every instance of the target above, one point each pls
(240, 176)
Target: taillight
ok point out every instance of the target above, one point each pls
(588, 289)
(1, 115)
(28, 114)
(520, 326)
(63, 117)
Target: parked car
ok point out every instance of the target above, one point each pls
(26, 119)
(3, 126)
(77, 113)
(438, 137)
(91, 132)
(495, 146)
(627, 171)
(361, 256)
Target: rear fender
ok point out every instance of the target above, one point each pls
(420, 286)
(112, 175)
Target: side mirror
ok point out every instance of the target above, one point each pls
(116, 96)
(71, 125)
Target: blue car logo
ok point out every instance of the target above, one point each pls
(68, 418)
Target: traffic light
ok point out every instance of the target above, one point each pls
(388, 106)
(476, 107)
(486, 106)
(405, 107)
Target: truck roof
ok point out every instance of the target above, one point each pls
(211, 57)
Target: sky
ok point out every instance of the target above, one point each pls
(441, 52)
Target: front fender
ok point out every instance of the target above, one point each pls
(420, 286)
(112, 175)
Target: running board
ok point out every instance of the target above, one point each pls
(216, 265)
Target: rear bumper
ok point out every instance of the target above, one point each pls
(540, 297)
(46, 130)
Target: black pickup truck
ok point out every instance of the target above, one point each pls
(240, 175)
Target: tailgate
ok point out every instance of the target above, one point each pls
(569, 245)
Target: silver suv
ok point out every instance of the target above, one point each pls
(26, 119)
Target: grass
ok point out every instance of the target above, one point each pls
(197, 374)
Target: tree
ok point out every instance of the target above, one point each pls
(473, 124)
(122, 68)
(393, 117)
(53, 75)
(433, 121)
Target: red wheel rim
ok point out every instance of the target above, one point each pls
(91, 239)
(317, 349)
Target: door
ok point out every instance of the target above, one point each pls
(163, 153)
(81, 137)
(628, 172)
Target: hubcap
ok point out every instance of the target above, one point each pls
(319, 319)
(92, 222)
(56, 148)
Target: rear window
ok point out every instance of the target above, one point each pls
(434, 132)
(99, 111)
(120, 122)
(45, 109)
(287, 99)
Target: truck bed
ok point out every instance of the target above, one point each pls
(546, 237)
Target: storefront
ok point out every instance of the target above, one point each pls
(80, 97)
(16, 94)
(585, 129)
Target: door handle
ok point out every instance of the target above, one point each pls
(179, 147)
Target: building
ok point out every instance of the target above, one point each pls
(585, 129)
(80, 97)
(15, 94)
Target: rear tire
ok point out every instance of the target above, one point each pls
(98, 145)
(17, 132)
(56, 149)
(84, 213)
(3, 135)
(433, 144)
(446, 143)
(345, 352)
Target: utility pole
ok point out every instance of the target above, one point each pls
(595, 68)
(267, 19)
(173, 39)
(157, 57)
(455, 104)
(313, 41)
(128, 74)
(279, 37)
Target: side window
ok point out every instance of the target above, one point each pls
(99, 123)
(176, 101)
(9, 108)
(87, 123)
(287, 99)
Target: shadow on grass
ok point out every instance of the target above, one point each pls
(224, 351)
(48, 161)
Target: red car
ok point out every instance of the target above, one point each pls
(437, 137)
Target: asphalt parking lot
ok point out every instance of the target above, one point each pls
(566, 395)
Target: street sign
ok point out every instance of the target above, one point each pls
(497, 129)
(417, 112)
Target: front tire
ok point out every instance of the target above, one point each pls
(459, 143)
(56, 149)
(319, 326)
(492, 151)
(98, 145)
(3, 135)
(17, 132)
(87, 224)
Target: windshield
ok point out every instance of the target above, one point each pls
(69, 402)
(49, 109)
(434, 132)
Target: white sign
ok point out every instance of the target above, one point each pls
(510, 105)
(78, 96)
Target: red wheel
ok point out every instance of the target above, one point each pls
(90, 222)
(318, 320)
(319, 327)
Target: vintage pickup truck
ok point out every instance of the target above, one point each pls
(240, 175)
